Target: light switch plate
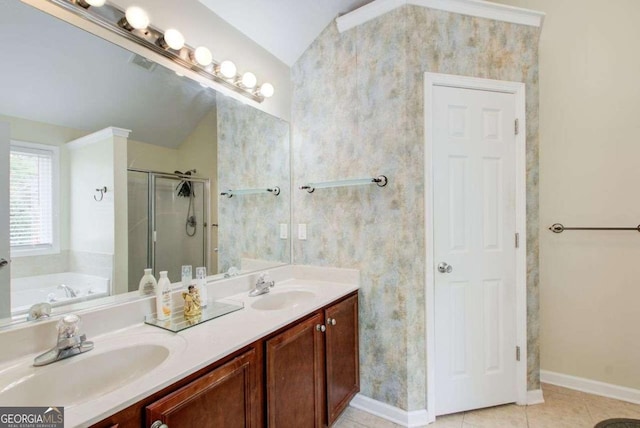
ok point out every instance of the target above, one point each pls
(302, 231)
(284, 231)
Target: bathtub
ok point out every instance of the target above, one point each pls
(46, 288)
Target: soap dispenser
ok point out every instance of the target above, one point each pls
(163, 297)
(148, 283)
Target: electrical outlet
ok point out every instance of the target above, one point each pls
(284, 231)
(302, 232)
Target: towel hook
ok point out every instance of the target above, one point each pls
(102, 191)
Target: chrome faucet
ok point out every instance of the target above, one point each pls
(67, 290)
(70, 342)
(262, 285)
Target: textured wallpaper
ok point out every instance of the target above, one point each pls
(253, 152)
(358, 112)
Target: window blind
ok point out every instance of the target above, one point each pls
(31, 197)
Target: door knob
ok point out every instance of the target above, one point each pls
(3, 263)
(444, 267)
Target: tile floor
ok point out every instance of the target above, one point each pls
(563, 408)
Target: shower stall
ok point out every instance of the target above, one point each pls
(168, 218)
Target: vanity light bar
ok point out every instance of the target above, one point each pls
(134, 26)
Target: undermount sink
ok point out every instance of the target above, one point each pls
(94, 374)
(282, 299)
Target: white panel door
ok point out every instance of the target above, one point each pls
(474, 222)
(5, 296)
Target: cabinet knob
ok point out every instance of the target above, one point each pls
(159, 424)
(331, 321)
(319, 327)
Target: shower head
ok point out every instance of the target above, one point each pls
(185, 188)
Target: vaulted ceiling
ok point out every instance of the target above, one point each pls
(44, 83)
(283, 27)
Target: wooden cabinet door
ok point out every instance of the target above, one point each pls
(295, 376)
(226, 398)
(343, 371)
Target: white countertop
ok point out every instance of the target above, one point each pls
(191, 349)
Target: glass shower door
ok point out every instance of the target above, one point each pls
(139, 214)
(179, 224)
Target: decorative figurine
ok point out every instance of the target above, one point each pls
(191, 303)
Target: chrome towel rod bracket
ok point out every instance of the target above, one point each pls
(559, 228)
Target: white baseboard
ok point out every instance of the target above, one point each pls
(396, 415)
(415, 418)
(591, 386)
(534, 397)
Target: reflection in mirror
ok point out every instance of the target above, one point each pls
(167, 223)
(70, 99)
(249, 225)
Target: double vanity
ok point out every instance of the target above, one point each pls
(288, 358)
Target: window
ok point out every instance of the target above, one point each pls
(33, 194)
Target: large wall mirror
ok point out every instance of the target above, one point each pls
(92, 204)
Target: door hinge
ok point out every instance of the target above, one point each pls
(517, 240)
(517, 353)
(517, 126)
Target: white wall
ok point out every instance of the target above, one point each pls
(92, 235)
(91, 167)
(589, 173)
(150, 157)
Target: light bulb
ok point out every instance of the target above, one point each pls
(174, 39)
(227, 69)
(266, 90)
(137, 18)
(249, 80)
(202, 56)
